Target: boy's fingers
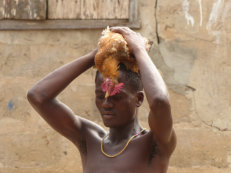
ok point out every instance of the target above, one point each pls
(119, 29)
(116, 29)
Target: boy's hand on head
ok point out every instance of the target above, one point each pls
(135, 41)
(94, 52)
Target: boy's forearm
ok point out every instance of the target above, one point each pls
(160, 119)
(154, 85)
(51, 85)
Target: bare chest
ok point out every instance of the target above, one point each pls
(136, 158)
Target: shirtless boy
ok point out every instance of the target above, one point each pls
(126, 148)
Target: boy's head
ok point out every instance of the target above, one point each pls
(121, 108)
(132, 79)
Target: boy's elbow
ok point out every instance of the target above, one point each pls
(34, 97)
(160, 102)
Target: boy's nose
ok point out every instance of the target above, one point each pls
(107, 103)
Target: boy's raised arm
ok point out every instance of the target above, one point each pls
(42, 97)
(160, 118)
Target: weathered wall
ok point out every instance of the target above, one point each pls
(192, 40)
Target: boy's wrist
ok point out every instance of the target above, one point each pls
(139, 51)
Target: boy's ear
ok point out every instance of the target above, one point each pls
(140, 98)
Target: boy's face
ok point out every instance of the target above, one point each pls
(117, 110)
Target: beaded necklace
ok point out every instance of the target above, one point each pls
(120, 152)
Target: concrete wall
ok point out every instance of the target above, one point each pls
(192, 48)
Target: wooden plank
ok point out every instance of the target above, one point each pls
(25, 9)
(132, 20)
(122, 9)
(2, 9)
(105, 9)
(133, 12)
(64, 9)
(88, 9)
(64, 24)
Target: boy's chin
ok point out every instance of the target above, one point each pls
(113, 125)
(110, 124)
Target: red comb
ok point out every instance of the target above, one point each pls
(110, 88)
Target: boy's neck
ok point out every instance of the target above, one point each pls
(119, 134)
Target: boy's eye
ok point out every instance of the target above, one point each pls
(117, 97)
(100, 95)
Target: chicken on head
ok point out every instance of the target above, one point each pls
(113, 50)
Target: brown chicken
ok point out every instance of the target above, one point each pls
(113, 50)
